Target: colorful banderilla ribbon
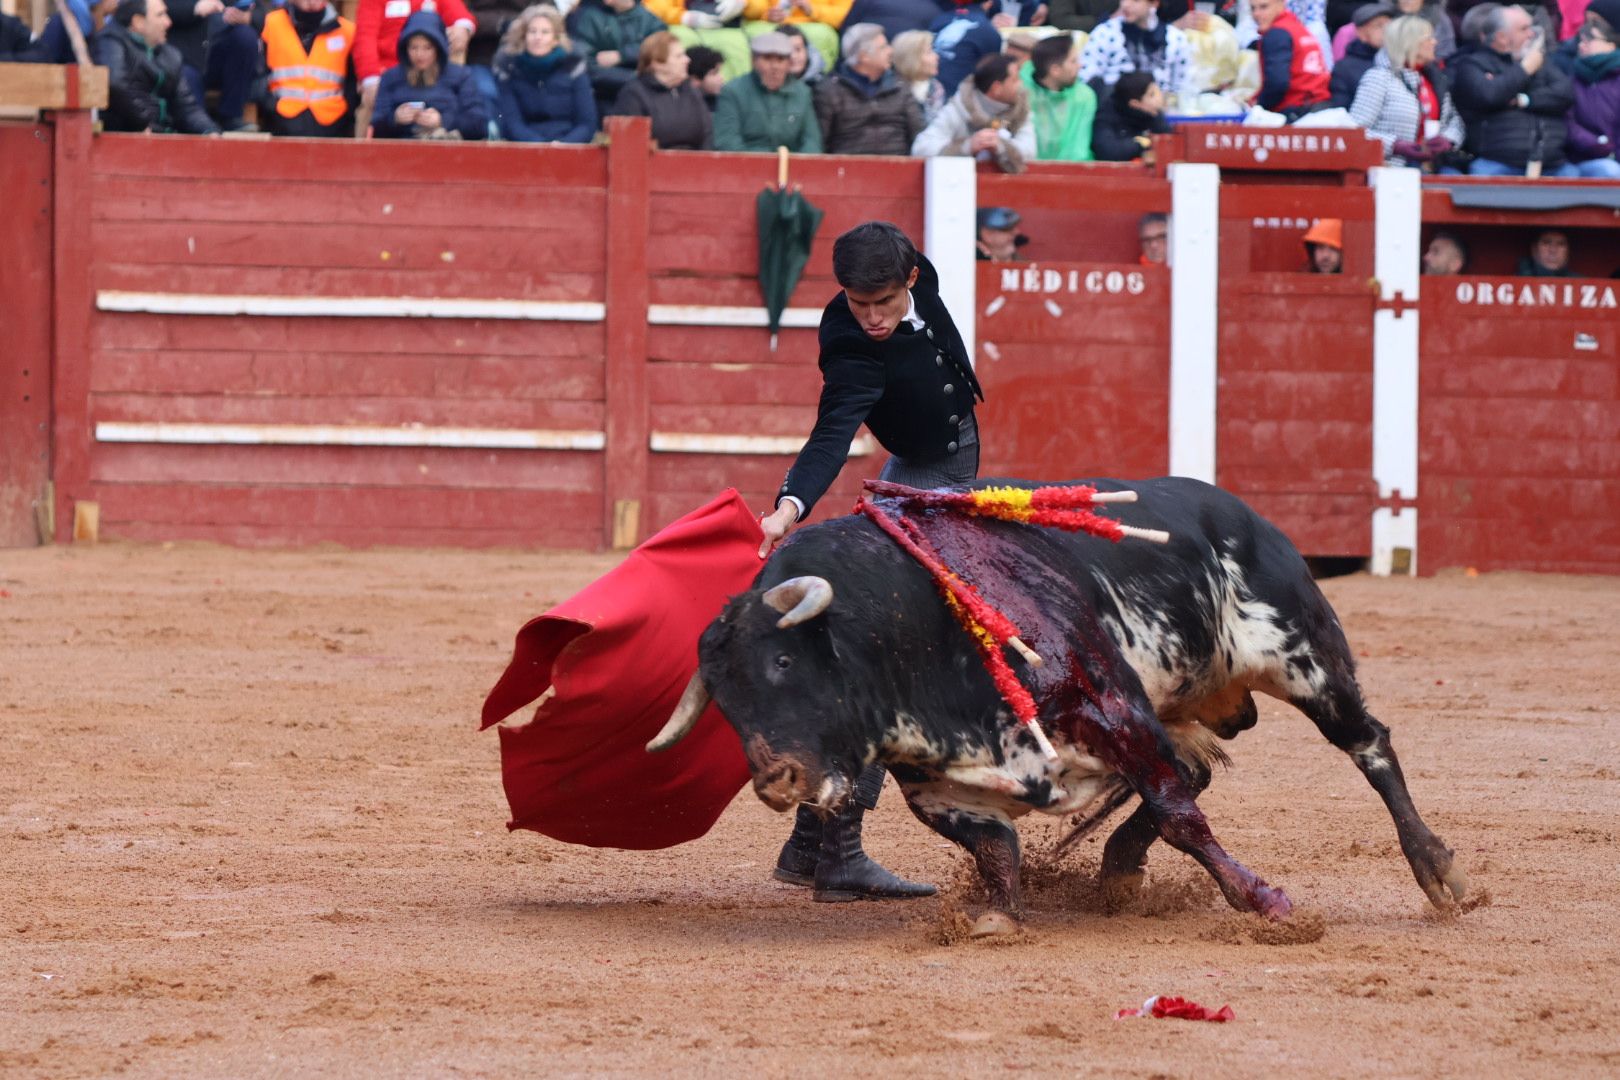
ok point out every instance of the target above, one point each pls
(1053, 507)
(1065, 508)
(989, 628)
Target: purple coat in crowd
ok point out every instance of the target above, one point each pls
(1594, 121)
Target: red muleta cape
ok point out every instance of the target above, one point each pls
(619, 654)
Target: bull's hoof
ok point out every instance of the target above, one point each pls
(1120, 891)
(1272, 903)
(1442, 880)
(994, 924)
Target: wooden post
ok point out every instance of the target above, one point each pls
(625, 459)
(73, 307)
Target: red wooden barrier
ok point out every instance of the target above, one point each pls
(1075, 362)
(1520, 413)
(25, 280)
(1294, 429)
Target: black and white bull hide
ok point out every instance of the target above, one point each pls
(843, 653)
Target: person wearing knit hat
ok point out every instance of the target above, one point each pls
(1324, 244)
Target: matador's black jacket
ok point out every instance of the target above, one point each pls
(912, 390)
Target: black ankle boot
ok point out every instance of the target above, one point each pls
(846, 872)
(797, 863)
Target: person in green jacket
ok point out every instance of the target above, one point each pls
(767, 108)
(609, 33)
(1061, 106)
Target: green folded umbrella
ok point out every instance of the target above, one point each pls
(787, 227)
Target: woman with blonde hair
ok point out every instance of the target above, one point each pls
(917, 64)
(544, 89)
(680, 117)
(1404, 99)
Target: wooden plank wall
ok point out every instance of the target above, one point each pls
(1075, 363)
(315, 219)
(1294, 422)
(1520, 414)
(25, 293)
(724, 380)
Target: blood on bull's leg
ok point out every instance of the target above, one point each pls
(1125, 853)
(993, 843)
(1342, 717)
(1123, 730)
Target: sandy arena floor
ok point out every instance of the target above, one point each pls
(248, 827)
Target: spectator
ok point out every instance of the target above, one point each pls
(1445, 35)
(1312, 15)
(1368, 29)
(705, 69)
(1445, 255)
(544, 86)
(1594, 122)
(680, 118)
(896, 16)
(145, 88)
(988, 118)
(1020, 46)
(1083, 15)
(1549, 256)
(1404, 102)
(863, 107)
(1062, 108)
(816, 20)
(491, 18)
(53, 46)
(805, 64)
(962, 37)
(715, 23)
(1136, 40)
(426, 96)
(1324, 246)
(1132, 113)
(378, 25)
(217, 55)
(15, 38)
(917, 64)
(767, 108)
(308, 68)
(1293, 71)
(1512, 102)
(1153, 233)
(998, 235)
(609, 33)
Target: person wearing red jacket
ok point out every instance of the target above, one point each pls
(377, 25)
(1294, 74)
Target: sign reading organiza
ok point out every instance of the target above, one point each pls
(1525, 294)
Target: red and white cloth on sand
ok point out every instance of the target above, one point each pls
(619, 654)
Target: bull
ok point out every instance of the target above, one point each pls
(844, 653)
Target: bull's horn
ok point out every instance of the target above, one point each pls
(693, 701)
(799, 600)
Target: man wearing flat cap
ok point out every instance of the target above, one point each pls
(767, 108)
(998, 235)
(1370, 21)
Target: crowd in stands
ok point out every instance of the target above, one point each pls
(1464, 86)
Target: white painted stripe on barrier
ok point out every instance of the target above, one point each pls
(1195, 193)
(113, 431)
(408, 307)
(680, 442)
(721, 315)
(950, 233)
(1397, 264)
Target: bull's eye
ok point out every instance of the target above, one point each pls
(784, 662)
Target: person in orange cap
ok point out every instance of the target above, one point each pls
(1324, 245)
